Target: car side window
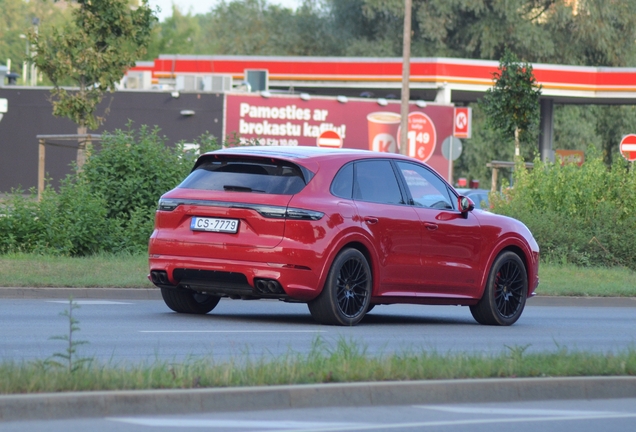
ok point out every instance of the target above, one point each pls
(342, 185)
(477, 199)
(427, 190)
(375, 181)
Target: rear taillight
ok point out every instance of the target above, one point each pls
(301, 214)
(273, 212)
(168, 204)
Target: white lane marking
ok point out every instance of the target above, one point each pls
(210, 423)
(461, 423)
(232, 331)
(513, 411)
(90, 302)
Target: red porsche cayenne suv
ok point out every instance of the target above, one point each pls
(341, 230)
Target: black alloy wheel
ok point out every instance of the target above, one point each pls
(346, 295)
(505, 294)
(187, 301)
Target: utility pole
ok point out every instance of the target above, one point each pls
(406, 72)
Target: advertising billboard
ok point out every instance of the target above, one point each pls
(289, 120)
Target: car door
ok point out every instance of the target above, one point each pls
(392, 224)
(450, 241)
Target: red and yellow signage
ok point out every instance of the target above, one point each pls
(570, 157)
(282, 120)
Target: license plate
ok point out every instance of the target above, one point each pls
(214, 224)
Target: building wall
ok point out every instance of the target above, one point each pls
(30, 114)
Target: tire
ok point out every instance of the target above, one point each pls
(346, 296)
(505, 293)
(190, 302)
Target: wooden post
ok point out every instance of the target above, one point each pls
(41, 161)
(493, 185)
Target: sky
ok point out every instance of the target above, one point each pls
(203, 6)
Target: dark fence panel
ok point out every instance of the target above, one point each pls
(30, 114)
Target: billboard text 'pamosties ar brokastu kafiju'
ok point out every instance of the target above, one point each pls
(361, 124)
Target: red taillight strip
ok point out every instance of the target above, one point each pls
(275, 212)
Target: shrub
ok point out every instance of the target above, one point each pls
(107, 207)
(19, 223)
(130, 172)
(580, 215)
(69, 222)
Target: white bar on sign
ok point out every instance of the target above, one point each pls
(628, 147)
(330, 142)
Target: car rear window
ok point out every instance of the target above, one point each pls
(246, 175)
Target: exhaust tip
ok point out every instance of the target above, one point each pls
(268, 286)
(272, 286)
(159, 277)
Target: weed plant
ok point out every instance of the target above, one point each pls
(346, 361)
(579, 215)
(69, 358)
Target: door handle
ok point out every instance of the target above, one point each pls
(371, 220)
(430, 226)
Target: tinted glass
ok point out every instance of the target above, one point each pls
(427, 190)
(269, 177)
(375, 181)
(483, 201)
(342, 185)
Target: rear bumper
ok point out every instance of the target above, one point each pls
(298, 283)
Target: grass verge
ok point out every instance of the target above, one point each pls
(130, 271)
(345, 362)
(569, 280)
(30, 270)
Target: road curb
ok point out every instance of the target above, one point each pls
(155, 294)
(81, 293)
(567, 301)
(163, 402)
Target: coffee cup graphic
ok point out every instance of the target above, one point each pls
(383, 128)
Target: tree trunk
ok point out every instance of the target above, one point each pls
(81, 148)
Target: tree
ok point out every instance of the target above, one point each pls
(177, 34)
(512, 105)
(474, 29)
(15, 21)
(93, 51)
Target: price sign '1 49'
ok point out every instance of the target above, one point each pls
(421, 136)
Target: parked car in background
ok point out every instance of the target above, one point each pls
(340, 230)
(478, 196)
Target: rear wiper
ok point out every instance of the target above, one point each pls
(240, 189)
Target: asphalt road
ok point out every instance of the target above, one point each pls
(617, 415)
(146, 330)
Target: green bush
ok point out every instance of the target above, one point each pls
(19, 223)
(69, 222)
(107, 207)
(581, 215)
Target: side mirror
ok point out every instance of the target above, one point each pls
(465, 204)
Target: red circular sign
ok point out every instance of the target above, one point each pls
(628, 147)
(329, 138)
(421, 136)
